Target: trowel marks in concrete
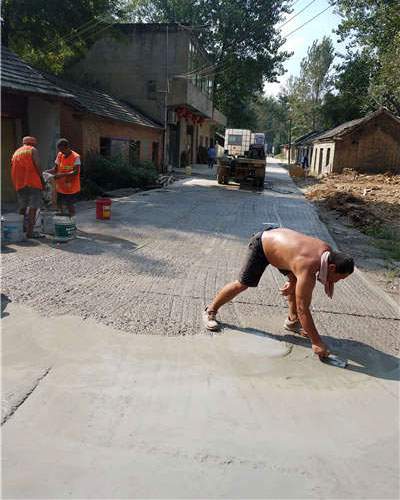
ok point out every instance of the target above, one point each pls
(257, 345)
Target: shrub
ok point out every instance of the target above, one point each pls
(105, 174)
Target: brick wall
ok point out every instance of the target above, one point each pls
(373, 148)
(84, 131)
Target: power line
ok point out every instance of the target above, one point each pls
(297, 14)
(85, 28)
(309, 21)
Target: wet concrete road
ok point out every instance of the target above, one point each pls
(94, 411)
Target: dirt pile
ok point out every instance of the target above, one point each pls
(367, 200)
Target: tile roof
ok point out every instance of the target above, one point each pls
(18, 75)
(305, 138)
(339, 130)
(102, 104)
(347, 127)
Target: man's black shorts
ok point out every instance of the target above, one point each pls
(255, 262)
(66, 200)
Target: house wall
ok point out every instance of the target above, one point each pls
(44, 124)
(373, 148)
(125, 67)
(323, 157)
(13, 128)
(71, 127)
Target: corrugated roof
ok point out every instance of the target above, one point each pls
(102, 104)
(18, 75)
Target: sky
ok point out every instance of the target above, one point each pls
(303, 38)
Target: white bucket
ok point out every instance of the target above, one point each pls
(13, 228)
(64, 228)
(48, 222)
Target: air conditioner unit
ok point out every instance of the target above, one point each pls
(172, 118)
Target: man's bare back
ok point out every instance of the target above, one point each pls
(292, 251)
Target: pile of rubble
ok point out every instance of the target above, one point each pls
(367, 200)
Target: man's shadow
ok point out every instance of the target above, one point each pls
(4, 303)
(362, 358)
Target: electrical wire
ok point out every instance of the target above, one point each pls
(77, 34)
(297, 14)
(307, 22)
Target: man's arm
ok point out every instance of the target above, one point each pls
(304, 289)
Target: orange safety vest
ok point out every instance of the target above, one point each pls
(72, 183)
(23, 171)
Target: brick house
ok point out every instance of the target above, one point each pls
(48, 108)
(369, 144)
(97, 122)
(162, 70)
(30, 105)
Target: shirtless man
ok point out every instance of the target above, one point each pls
(303, 260)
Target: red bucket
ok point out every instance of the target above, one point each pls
(103, 208)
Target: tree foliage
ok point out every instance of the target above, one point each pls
(242, 40)
(371, 29)
(50, 33)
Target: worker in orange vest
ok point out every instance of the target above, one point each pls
(26, 176)
(67, 176)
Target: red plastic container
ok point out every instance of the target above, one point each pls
(103, 208)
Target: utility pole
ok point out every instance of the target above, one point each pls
(165, 159)
(290, 140)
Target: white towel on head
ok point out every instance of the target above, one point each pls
(322, 275)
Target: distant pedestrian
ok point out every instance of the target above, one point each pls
(67, 176)
(27, 179)
(304, 161)
(211, 153)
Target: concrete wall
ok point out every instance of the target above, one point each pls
(124, 67)
(322, 160)
(44, 124)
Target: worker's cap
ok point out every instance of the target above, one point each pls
(28, 139)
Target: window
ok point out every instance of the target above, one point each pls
(234, 140)
(105, 146)
(328, 155)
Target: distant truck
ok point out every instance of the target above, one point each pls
(244, 158)
(238, 141)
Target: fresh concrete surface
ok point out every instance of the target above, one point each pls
(93, 411)
(229, 416)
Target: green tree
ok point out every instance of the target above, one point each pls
(351, 98)
(372, 27)
(50, 33)
(241, 38)
(305, 94)
(273, 119)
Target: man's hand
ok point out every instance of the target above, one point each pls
(321, 350)
(288, 288)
